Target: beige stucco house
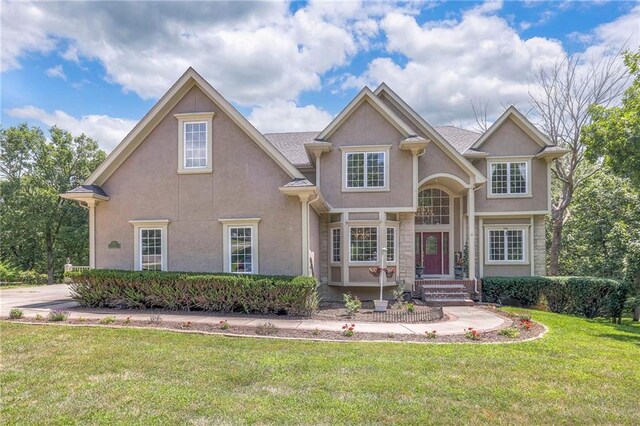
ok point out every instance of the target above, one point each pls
(195, 187)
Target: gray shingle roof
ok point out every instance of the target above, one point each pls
(298, 183)
(460, 139)
(291, 145)
(88, 189)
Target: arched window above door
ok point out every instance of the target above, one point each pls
(433, 207)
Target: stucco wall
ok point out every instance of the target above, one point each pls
(365, 126)
(244, 184)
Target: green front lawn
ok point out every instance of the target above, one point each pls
(581, 372)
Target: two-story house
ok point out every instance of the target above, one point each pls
(195, 187)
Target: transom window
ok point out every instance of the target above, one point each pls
(391, 244)
(151, 249)
(195, 144)
(335, 245)
(433, 207)
(241, 249)
(365, 170)
(363, 244)
(506, 245)
(508, 178)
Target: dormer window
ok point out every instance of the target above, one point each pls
(195, 145)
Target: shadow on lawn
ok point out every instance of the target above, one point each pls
(628, 332)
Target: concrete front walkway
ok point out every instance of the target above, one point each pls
(41, 299)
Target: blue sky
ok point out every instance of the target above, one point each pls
(99, 67)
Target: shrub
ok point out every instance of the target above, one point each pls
(267, 328)
(587, 296)
(351, 304)
(224, 324)
(15, 313)
(58, 315)
(194, 291)
(32, 277)
(411, 307)
(510, 332)
(8, 274)
(107, 320)
(39, 317)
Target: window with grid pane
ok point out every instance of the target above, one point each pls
(365, 170)
(335, 244)
(195, 144)
(433, 207)
(506, 245)
(391, 244)
(151, 249)
(363, 244)
(509, 178)
(240, 249)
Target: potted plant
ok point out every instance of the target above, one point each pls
(380, 305)
(375, 271)
(390, 270)
(419, 270)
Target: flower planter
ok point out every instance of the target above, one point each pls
(419, 270)
(380, 305)
(390, 272)
(375, 271)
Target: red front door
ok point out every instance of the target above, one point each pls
(432, 253)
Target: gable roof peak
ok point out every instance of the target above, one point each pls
(521, 121)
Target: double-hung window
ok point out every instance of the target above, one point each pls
(195, 145)
(363, 244)
(509, 178)
(150, 244)
(240, 245)
(506, 245)
(365, 169)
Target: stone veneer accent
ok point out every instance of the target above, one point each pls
(406, 248)
(539, 245)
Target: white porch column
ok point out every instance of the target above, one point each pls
(471, 215)
(304, 198)
(92, 233)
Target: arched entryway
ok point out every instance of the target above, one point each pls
(434, 225)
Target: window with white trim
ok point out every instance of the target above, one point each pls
(363, 244)
(433, 207)
(365, 169)
(241, 249)
(506, 245)
(391, 244)
(151, 249)
(335, 245)
(195, 144)
(509, 178)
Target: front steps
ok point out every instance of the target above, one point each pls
(449, 294)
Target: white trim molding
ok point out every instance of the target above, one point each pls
(522, 122)
(227, 225)
(365, 149)
(138, 226)
(193, 118)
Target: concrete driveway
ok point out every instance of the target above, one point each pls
(40, 299)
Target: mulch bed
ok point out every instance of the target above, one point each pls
(336, 312)
(536, 330)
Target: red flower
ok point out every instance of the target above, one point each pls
(353, 325)
(350, 328)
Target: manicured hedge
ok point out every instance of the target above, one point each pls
(588, 296)
(194, 291)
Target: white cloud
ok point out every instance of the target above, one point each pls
(281, 116)
(252, 52)
(56, 72)
(107, 131)
(452, 62)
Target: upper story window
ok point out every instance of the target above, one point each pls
(366, 168)
(195, 145)
(509, 178)
(434, 207)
